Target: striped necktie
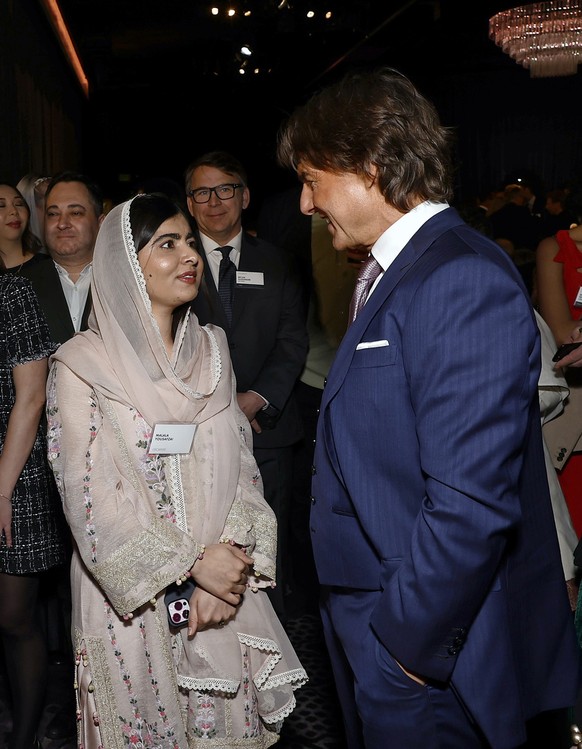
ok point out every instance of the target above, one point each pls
(369, 272)
(226, 279)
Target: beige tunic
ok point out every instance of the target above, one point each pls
(138, 522)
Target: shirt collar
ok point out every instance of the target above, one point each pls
(210, 245)
(65, 274)
(389, 245)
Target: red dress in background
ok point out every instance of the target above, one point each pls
(570, 476)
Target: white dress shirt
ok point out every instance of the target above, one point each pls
(213, 256)
(75, 292)
(390, 244)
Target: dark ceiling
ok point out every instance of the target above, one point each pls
(140, 44)
(165, 83)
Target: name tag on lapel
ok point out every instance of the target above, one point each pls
(254, 279)
(372, 344)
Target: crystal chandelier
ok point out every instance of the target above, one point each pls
(544, 37)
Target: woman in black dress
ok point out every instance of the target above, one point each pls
(30, 534)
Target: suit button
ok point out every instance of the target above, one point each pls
(452, 650)
(313, 470)
(560, 457)
(313, 500)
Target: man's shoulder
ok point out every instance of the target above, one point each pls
(44, 278)
(40, 267)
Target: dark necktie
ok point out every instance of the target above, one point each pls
(226, 279)
(369, 272)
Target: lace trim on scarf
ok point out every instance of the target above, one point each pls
(216, 359)
(266, 646)
(177, 491)
(181, 334)
(225, 686)
(296, 678)
(133, 261)
(281, 714)
(141, 284)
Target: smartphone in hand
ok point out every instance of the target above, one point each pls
(177, 600)
(565, 349)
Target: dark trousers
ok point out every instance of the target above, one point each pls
(276, 467)
(382, 706)
(304, 584)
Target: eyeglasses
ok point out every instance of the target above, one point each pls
(224, 192)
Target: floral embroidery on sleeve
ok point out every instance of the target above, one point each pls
(87, 496)
(153, 469)
(54, 438)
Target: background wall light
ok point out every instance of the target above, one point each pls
(56, 19)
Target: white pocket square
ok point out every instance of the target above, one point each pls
(372, 344)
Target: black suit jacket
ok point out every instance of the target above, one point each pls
(268, 338)
(47, 285)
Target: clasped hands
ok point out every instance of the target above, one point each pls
(221, 579)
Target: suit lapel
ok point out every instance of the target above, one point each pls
(249, 260)
(87, 311)
(404, 262)
(58, 314)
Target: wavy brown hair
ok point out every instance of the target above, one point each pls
(374, 120)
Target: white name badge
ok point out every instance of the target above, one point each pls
(250, 278)
(578, 300)
(172, 439)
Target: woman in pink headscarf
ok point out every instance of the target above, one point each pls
(151, 456)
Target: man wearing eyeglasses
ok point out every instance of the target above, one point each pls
(255, 295)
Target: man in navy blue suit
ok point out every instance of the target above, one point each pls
(444, 605)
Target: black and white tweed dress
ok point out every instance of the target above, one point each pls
(38, 528)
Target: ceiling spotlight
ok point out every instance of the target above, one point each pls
(214, 11)
(328, 15)
(310, 14)
(256, 71)
(231, 12)
(283, 4)
(241, 71)
(247, 13)
(246, 50)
